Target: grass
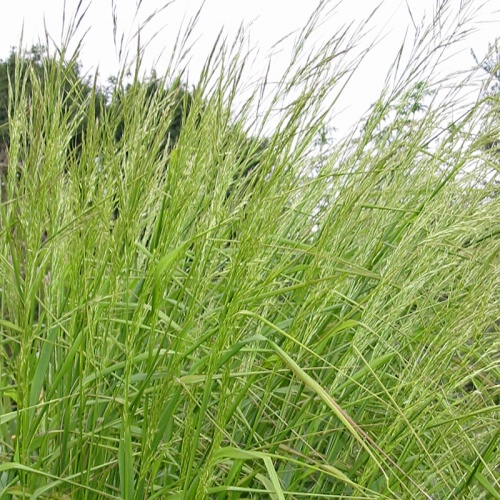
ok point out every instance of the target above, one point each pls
(326, 327)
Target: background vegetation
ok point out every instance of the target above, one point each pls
(194, 308)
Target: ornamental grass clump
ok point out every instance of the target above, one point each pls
(229, 313)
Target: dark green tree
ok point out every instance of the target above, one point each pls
(38, 64)
(176, 96)
(33, 59)
(117, 101)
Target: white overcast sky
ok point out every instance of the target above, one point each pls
(270, 21)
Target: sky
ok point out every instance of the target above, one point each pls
(267, 21)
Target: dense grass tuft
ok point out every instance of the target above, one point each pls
(324, 326)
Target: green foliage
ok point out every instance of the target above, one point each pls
(175, 98)
(232, 334)
(31, 71)
(491, 93)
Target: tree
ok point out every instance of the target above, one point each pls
(37, 64)
(176, 96)
(491, 65)
(35, 70)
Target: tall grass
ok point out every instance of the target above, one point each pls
(319, 328)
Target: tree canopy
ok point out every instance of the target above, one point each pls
(25, 70)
